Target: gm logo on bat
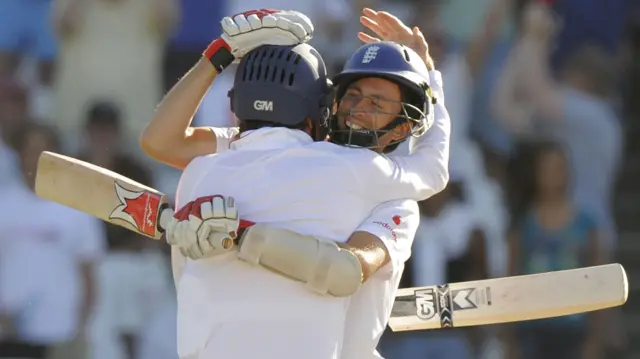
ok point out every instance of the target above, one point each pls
(425, 303)
(461, 299)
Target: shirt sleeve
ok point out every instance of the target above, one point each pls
(395, 223)
(422, 173)
(224, 135)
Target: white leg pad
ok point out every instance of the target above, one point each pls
(320, 264)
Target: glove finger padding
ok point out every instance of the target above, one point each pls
(254, 21)
(248, 30)
(242, 23)
(322, 265)
(296, 29)
(297, 17)
(229, 26)
(269, 21)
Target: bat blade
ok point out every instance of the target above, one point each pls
(101, 193)
(510, 299)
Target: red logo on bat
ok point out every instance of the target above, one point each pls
(397, 220)
(140, 209)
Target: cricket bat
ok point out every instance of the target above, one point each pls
(102, 193)
(510, 299)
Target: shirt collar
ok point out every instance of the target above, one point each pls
(271, 138)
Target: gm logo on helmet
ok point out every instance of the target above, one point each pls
(259, 105)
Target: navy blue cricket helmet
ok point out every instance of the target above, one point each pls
(282, 85)
(400, 65)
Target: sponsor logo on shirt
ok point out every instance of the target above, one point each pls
(388, 227)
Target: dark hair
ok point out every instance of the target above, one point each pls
(103, 113)
(248, 125)
(523, 173)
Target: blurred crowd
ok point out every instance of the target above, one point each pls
(539, 92)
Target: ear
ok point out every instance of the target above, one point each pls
(308, 126)
(401, 131)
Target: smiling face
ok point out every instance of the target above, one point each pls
(371, 104)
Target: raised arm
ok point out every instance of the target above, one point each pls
(170, 138)
(425, 171)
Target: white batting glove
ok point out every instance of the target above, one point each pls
(205, 227)
(246, 31)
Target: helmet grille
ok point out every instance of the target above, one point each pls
(266, 64)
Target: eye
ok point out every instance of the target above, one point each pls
(375, 102)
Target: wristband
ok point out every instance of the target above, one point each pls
(219, 54)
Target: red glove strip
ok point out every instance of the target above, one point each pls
(215, 46)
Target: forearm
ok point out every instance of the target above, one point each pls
(539, 87)
(370, 251)
(169, 137)
(534, 54)
(482, 42)
(505, 106)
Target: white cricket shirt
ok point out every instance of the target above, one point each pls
(282, 178)
(395, 223)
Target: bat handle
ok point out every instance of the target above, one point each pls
(167, 213)
(165, 217)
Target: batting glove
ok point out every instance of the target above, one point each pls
(246, 31)
(205, 227)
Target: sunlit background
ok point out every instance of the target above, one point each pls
(544, 108)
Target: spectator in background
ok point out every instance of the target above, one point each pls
(110, 49)
(103, 138)
(577, 111)
(13, 113)
(551, 232)
(46, 261)
(131, 278)
(25, 32)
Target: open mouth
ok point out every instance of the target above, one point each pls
(353, 126)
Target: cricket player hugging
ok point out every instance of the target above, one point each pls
(329, 215)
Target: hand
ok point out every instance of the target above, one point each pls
(389, 28)
(250, 29)
(205, 227)
(246, 31)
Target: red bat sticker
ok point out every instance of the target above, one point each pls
(140, 209)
